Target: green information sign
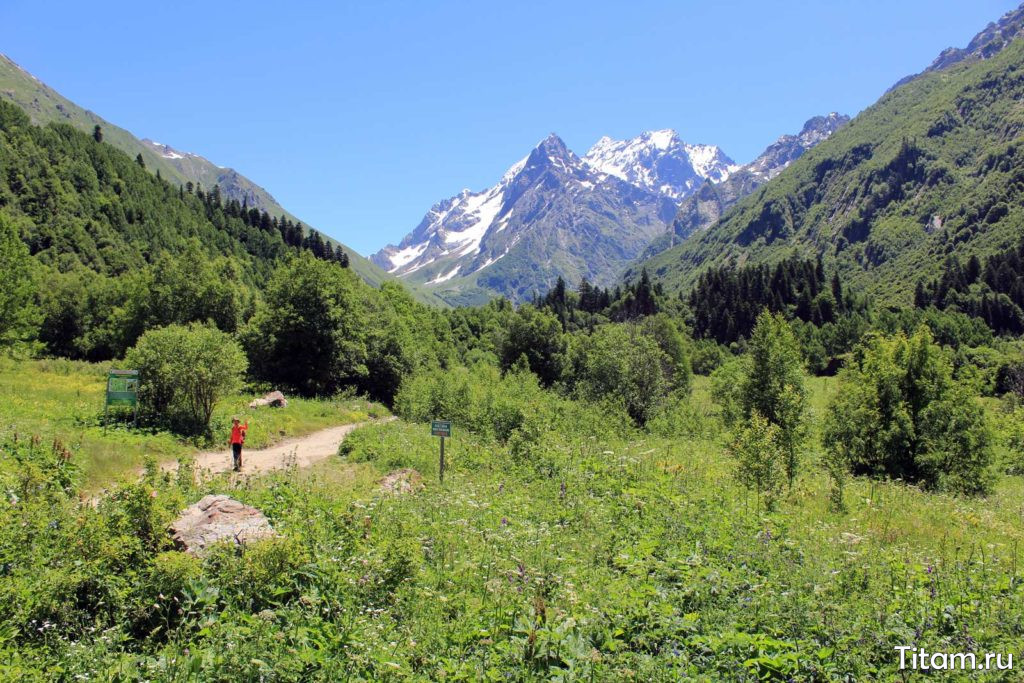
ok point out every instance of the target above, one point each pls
(123, 388)
(443, 429)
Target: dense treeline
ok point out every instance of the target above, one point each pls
(589, 304)
(726, 301)
(993, 292)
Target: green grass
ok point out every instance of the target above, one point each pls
(63, 400)
(618, 556)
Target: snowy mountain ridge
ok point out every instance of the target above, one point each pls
(659, 161)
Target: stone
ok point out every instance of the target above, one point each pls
(401, 482)
(215, 519)
(275, 399)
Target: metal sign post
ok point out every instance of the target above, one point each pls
(122, 390)
(443, 429)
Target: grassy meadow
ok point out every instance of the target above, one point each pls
(63, 400)
(585, 551)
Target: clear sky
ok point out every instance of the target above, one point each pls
(358, 117)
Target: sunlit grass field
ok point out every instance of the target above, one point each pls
(599, 555)
(63, 400)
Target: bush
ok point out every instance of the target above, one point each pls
(761, 455)
(727, 389)
(899, 414)
(183, 372)
(1012, 437)
(621, 363)
(706, 356)
(774, 385)
(537, 335)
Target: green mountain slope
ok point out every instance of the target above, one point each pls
(45, 105)
(934, 168)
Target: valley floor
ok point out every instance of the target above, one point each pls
(60, 400)
(598, 557)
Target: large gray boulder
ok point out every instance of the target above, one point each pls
(218, 518)
(275, 399)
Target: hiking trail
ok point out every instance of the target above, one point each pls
(299, 451)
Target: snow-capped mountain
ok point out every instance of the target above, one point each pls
(660, 162)
(550, 215)
(707, 203)
(554, 214)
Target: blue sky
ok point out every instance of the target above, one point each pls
(359, 116)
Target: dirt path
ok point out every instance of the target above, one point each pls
(301, 451)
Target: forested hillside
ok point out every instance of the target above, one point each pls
(45, 105)
(109, 240)
(931, 170)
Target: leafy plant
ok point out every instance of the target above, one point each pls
(184, 371)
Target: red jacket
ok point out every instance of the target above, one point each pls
(238, 433)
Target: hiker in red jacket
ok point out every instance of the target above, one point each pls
(237, 439)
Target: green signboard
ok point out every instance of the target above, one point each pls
(123, 388)
(443, 429)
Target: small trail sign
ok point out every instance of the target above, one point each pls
(122, 390)
(443, 429)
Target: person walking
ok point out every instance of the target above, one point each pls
(237, 439)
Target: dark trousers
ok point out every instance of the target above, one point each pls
(236, 456)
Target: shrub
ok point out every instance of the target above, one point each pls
(774, 384)
(726, 389)
(706, 356)
(537, 335)
(761, 456)
(665, 332)
(899, 414)
(183, 372)
(621, 363)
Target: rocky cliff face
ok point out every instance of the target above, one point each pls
(985, 45)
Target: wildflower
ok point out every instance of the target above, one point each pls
(504, 521)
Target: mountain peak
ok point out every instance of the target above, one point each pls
(985, 45)
(553, 146)
(818, 128)
(660, 162)
(788, 148)
(662, 139)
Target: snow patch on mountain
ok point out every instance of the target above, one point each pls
(166, 151)
(404, 256)
(447, 276)
(658, 161)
